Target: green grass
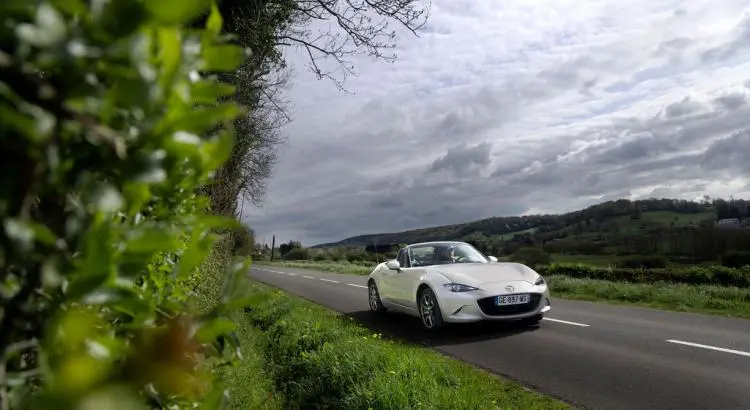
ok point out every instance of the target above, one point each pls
(320, 359)
(717, 300)
(328, 266)
(250, 386)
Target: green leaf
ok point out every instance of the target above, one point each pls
(215, 21)
(212, 329)
(199, 120)
(151, 239)
(222, 57)
(25, 232)
(216, 400)
(195, 254)
(119, 17)
(177, 11)
(129, 92)
(170, 44)
(72, 7)
(97, 250)
(234, 276)
(217, 151)
(210, 90)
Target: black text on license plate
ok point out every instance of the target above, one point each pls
(511, 300)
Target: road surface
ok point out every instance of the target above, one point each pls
(593, 356)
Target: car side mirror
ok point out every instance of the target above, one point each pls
(492, 258)
(393, 265)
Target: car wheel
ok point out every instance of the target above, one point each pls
(376, 305)
(429, 310)
(533, 320)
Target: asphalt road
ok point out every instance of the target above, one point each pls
(591, 355)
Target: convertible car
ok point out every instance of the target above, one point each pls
(450, 281)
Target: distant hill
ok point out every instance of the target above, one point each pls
(621, 218)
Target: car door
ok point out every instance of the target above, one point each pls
(389, 278)
(404, 283)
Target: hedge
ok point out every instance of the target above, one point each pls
(696, 275)
(110, 122)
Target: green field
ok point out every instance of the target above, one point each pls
(309, 357)
(717, 300)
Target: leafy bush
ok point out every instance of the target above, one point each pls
(645, 262)
(108, 129)
(294, 254)
(531, 256)
(736, 259)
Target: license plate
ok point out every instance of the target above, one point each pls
(511, 300)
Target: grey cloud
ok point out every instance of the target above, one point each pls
(664, 153)
(464, 160)
(681, 108)
(730, 154)
(674, 49)
(732, 101)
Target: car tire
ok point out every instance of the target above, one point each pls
(373, 298)
(429, 310)
(533, 320)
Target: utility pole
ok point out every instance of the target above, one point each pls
(273, 245)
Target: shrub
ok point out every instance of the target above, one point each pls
(696, 275)
(107, 131)
(531, 256)
(646, 262)
(736, 259)
(296, 254)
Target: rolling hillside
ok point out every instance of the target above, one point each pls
(620, 218)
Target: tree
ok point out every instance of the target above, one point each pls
(284, 248)
(364, 29)
(268, 26)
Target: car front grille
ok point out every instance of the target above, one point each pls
(488, 306)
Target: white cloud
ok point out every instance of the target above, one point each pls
(504, 107)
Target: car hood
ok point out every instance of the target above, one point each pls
(475, 274)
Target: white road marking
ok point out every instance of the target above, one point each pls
(308, 277)
(356, 286)
(328, 280)
(291, 274)
(566, 322)
(718, 349)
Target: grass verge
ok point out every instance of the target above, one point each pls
(249, 383)
(319, 359)
(716, 300)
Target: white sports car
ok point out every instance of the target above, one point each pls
(450, 281)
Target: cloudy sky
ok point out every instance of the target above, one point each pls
(517, 107)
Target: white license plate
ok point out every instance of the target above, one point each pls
(511, 300)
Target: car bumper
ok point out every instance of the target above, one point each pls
(478, 305)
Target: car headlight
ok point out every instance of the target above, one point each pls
(539, 281)
(457, 287)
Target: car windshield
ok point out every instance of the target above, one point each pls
(445, 253)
